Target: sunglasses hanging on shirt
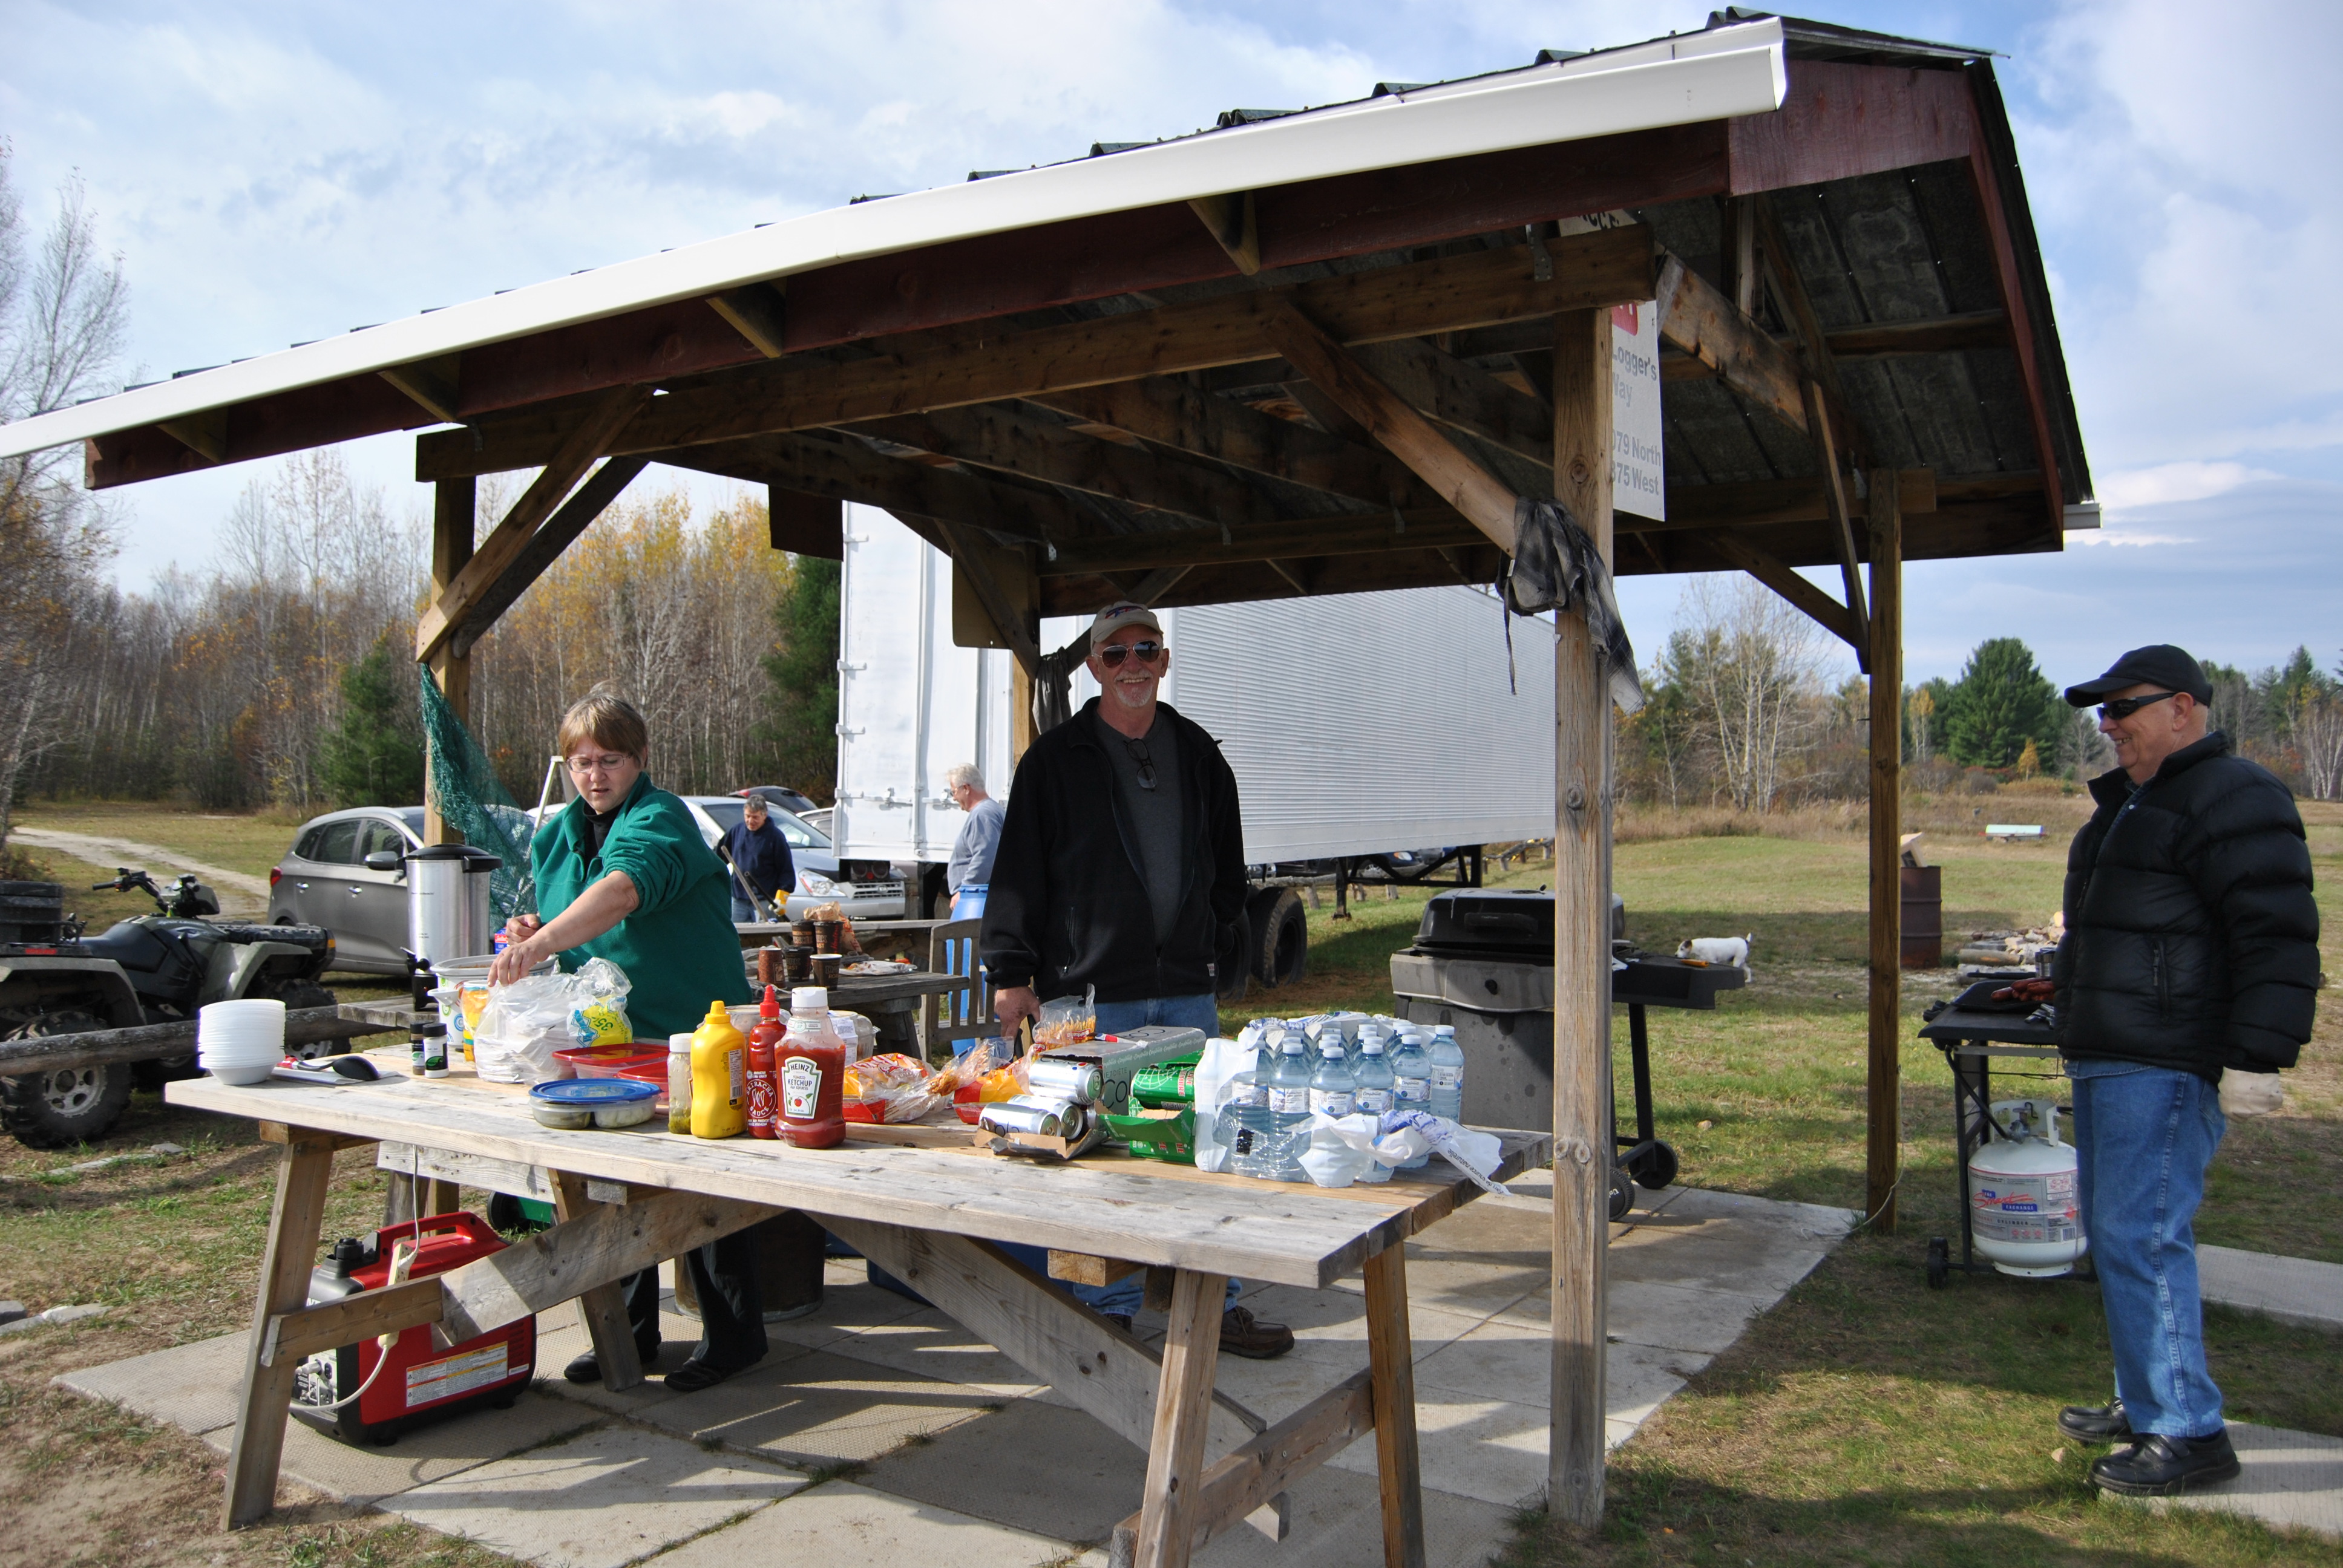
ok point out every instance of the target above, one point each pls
(1146, 763)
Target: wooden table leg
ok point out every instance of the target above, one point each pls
(1391, 1359)
(1183, 1404)
(603, 1307)
(304, 1171)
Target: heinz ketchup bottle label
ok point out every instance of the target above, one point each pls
(800, 1088)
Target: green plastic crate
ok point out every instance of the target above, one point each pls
(1172, 1138)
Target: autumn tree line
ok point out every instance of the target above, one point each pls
(1742, 714)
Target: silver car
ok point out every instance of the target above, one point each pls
(345, 871)
(326, 880)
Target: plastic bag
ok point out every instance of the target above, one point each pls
(2251, 1094)
(599, 1015)
(1216, 1083)
(524, 1023)
(1408, 1133)
(891, 1087)
(1068, 1019)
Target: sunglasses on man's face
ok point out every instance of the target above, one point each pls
(1113, 653)
(2125, 707)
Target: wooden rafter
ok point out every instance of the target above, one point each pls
(758, 312)
(1463, 396)
(1234, 224)
(583, 446)
(1932, 335)
(1814, 346)
(1601, 269)
(1818, 424)
(988, 567)
(1407, 434)
(1709, 327)
(1359, 535)
(849, 471)
(434, 386)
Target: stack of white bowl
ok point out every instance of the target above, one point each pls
(240, 1042)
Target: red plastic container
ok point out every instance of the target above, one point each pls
(650, 1069)
(422, 1380)
(607, 1061)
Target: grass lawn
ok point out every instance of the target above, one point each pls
(1865, 1419)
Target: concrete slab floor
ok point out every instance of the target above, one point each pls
(358, 1473)
(840, 1522)
(2290, 1481)
(815, 1408)
(606, 1498)
(192, 1386)
(2298, 1291)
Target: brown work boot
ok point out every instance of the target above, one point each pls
(1243, 1334)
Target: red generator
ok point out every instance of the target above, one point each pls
(422, 1383)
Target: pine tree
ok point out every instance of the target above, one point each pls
(804, 673)
(373, 757)
(2000, 702)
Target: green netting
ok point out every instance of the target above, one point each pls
(472, 799)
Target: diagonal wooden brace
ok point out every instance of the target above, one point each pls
(1396, 425)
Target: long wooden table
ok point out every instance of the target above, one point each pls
(924, 1204)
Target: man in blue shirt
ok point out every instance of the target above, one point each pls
(760, 858)
(980, 837)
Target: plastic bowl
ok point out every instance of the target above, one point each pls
(591, 1061)
(242, 1072)
(599, 1101)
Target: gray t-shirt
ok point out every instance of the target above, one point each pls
(1154, 814)
(979, 841)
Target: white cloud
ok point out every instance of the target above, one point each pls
(2167, 482)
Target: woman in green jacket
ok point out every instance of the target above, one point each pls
(623, 874)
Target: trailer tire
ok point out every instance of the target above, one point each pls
(1279, 949)
(60, 1109)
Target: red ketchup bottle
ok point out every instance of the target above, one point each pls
(813, 1073)
(764, 1089)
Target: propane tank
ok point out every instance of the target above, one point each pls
(2024, 1205)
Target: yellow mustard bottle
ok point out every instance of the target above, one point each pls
(719, 1077)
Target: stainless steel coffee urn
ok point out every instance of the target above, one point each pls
(447, 910)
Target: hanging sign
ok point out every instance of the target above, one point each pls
(1638, 482)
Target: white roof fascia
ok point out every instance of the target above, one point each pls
(1713, 74)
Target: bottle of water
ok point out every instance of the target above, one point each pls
(1372, 1073)
(1412, 1086)
(1244, 1121)
(1447, 1097)
(1332, 1089)
(1289, 1109)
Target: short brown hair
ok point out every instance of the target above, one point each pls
(605, 718)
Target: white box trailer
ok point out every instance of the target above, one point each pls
(1359, 726)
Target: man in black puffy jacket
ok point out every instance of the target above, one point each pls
(2191, 948)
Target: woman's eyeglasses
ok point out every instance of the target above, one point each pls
(1113, 653)
(2125, 707)
(582, 766)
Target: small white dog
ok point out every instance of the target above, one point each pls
(1732, 950)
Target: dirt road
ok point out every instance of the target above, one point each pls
(240, 896)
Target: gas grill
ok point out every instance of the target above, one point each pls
(1484, 962)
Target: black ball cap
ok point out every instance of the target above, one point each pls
(2161, 664)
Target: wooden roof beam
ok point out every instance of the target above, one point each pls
(1363, 535)
(1832, 616)
(1234, 223)
(1814, 346)
(1600, 268)
(1709, 327)
(846, 470)
(1407, 434)
(545, 547)
(1767, 502)
(585, 443)
(758, 313)
(990, 436)
(1934, 335)
(434, 386)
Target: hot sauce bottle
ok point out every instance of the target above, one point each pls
(813, 1073)
(764, 1092)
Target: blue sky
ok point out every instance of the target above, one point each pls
(278, 173)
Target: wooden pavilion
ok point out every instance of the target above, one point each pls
(1312, 352)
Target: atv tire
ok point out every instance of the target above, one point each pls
(74, 1105)
(309, 993)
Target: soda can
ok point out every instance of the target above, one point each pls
(1064, 1077)
(1020, 1115)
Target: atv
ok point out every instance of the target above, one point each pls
(154, 968)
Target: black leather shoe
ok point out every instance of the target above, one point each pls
(1243, 1334)
(2096, 1422)
(2159, 1466)
(696, 1374)
(586, 1369)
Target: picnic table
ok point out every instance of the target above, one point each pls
(926, 1205)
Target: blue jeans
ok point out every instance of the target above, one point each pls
(2145, 1139)
(1199, 1011)
(1121, 1298)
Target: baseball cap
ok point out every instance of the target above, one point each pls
(1120, 614)
(2160, 664)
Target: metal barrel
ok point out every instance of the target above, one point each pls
(1064, 1077)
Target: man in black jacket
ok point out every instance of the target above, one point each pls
(1121, 866)
(2191, 948)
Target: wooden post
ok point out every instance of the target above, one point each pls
(303, 1173)
(1582, 936)
(603, 1307)
(1183, 1405)
(1882, 1151)
(451, 549)
(1020, 713)
(1391, 1360)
